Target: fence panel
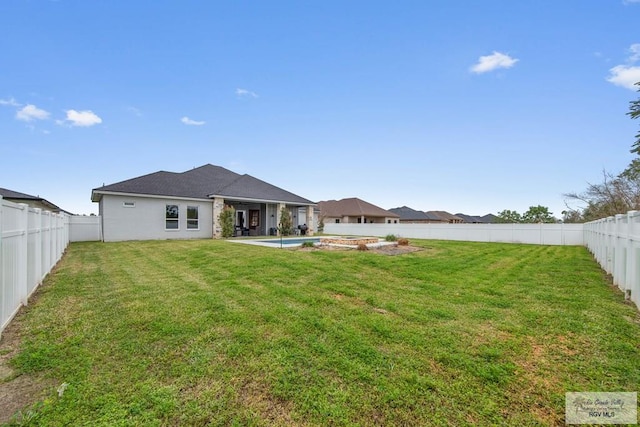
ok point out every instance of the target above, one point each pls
(85, 229)
(32, 241)
(539, 234)
(615, 244)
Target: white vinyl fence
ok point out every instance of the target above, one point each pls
(539, 234)
(615, 244)
(85, 228)
(32, 241)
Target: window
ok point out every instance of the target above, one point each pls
(337, 221)
(171, 218)
(254, 218)
(388, 221)
(129, 204)
(192, 218)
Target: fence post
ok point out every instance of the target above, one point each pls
(23, 226)
(1, 268)
(38, 247)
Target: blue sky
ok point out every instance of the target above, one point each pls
(464, 106)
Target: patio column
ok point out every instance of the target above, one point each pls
(218, 206)
(309, 221)
(279, 215)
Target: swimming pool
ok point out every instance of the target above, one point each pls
(286, 241)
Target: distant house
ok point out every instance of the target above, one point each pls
(354, 210)
(446, 217)
(412, 216)
(489, 218)
(475, 219)
(170, 205)
(31, 201)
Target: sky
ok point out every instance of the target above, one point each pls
(464, 106)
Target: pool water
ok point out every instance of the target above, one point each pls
(291, 241)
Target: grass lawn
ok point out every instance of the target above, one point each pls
(213, 333)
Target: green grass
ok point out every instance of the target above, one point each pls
(214, 333)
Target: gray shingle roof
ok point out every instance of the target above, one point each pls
(27, 198)
(201, 183)
(10, 194)
(408, 214)
(470, 219)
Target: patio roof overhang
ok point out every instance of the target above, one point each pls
(250, 199)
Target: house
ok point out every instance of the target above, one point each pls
(475, 219)
(31, 201)
(412, 216)
(185, 205)
(446, 217)
(355, 211)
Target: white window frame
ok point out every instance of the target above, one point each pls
(128, 204)
(168, 219)
(191, 220)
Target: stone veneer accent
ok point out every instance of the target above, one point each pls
(349, 241)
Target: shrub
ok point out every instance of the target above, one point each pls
(390, 238)
(403, 242)
(321, 225)
(226, 218)
(308, 244)
(362, 247)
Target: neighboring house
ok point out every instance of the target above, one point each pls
(355, 211)
(489, 218)
(169, 205)
(412, 216)
(32, 201)
(475, 219)
(446, 217)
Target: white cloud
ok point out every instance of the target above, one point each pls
(627, 75)
(133, 110)
(10, 102)
(84, 118)
(187, 121)
(630, 1)
(243, 93)
(30, 112)
(493, 62)
(634, 50)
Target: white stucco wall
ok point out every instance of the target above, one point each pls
(146, 220)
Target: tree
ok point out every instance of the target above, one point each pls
(285, 226)
(572, 216)
(538, 214)
(508, 217)
(634, 113)
(615, 195)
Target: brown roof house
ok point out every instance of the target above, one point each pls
(355, 211)
(446, 217)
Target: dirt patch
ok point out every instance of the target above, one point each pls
(258, 397)
(383, 250)
(395, 249)
(17, 392)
